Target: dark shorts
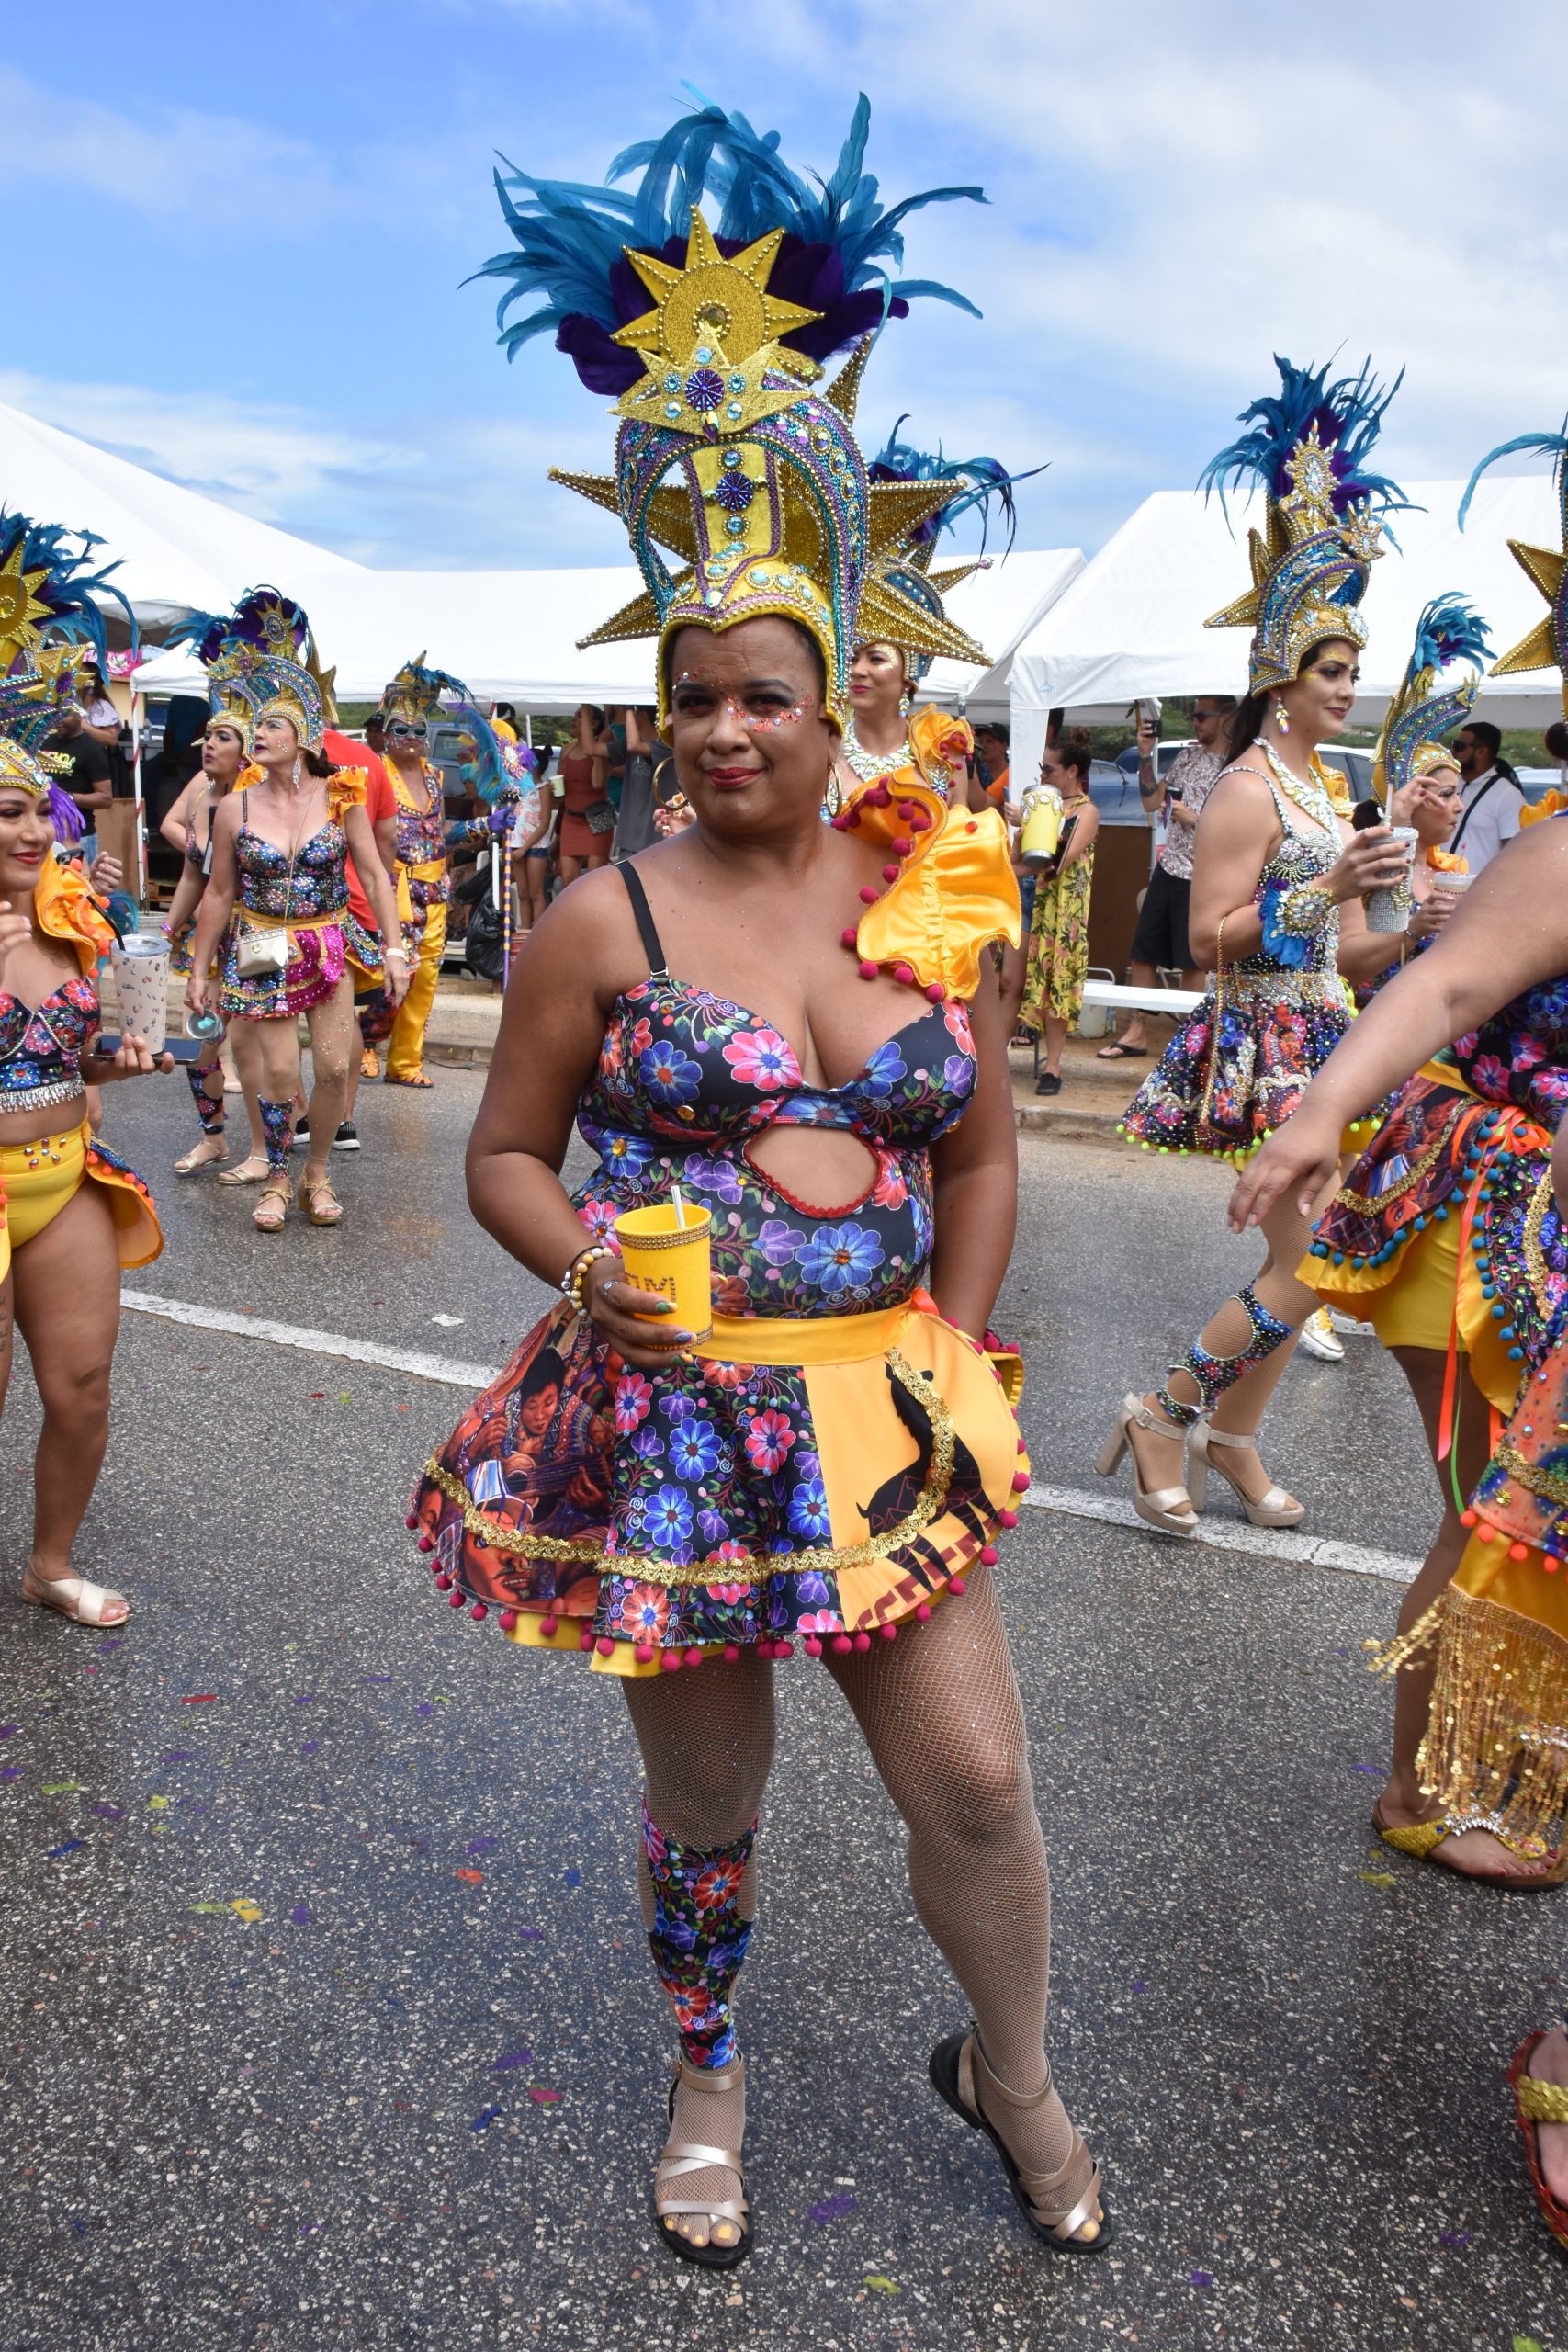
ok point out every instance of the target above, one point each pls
(1161, 936)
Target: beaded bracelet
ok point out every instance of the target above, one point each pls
(571, 1281)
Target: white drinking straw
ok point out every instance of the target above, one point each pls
(680, 1208)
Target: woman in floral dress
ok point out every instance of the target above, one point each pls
(1058, 933)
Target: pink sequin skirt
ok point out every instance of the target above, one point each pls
(317, 961)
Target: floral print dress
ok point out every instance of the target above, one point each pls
(763, 1487)
(1058, 946)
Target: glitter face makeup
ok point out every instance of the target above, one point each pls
(752, 708)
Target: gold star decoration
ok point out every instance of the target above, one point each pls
(20, 607)
(1541, 650)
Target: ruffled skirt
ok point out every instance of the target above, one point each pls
(318, 957)
(38, 1179)
(819, 1480)
(1236, 1068)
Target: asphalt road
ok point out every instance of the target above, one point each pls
(326, 2020)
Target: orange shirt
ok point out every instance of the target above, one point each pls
(379, 801)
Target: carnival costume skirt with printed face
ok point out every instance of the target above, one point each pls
(1235, 1070)
(39, 1179)
(818, 1480)
(1445, 1231)
(318, 957)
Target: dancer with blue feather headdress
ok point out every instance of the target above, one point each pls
(1275, 914)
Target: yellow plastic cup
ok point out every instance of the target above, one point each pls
(1041, 828)
(674, 1261)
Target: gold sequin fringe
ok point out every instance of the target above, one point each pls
(1497, 1735)
(747, 1568)
(1406, 1649)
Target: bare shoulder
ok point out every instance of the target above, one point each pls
(1242, 791)
(587, 938)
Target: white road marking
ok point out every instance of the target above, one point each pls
(418, 1366)
(1235, 1535)
(1223, 1535)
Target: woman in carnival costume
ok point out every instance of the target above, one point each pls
(408, 706)
(831, 1463)
(279, 847)
(882, 742)
(71, 1214)
(1276, 916)
(225, 764)
(1446, 1236)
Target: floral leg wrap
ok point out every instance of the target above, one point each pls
(278, 1126)
(698, 1938)
(209, 1108)
(1214, 1374)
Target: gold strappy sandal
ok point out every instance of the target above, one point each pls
(271, 1208)
(251, 1170)
(1536, 2102)
(1169, 1509)
(1056, 2205)
(1273, 1508)
(680, 2158)
(210, 1152)
(311, 1197)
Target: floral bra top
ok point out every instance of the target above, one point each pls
(1520, 1055)
(1300, 858)
(41, 1049)
(686, 1080)
(319, 884)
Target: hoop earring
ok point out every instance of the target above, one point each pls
(1281, 717)
(832, 793)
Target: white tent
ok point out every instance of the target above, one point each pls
(1132, 623)
(177, 551)
(514, 633)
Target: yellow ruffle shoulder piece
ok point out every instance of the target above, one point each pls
(1550, 804)
(66, 909)
(954, 891)
(346, 790)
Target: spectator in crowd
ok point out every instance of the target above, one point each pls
(1556, 742)
(88, 782)
(1160, 941)
(375, 734)
(1490, 791)
(588, 814)
(533, 875)
(991, 743)
(644, 753)
(99, 716)
(1058, 930)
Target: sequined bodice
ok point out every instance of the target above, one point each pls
(1298, 859)
(687, 1079)
(421, 837)
(42, 1046)
(1520, 1055)
(320, 885)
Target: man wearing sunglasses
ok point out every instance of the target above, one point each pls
(1493, 799)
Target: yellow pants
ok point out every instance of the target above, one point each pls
(405, 1053)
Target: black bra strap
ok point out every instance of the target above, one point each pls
(657, 967)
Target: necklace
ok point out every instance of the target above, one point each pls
(1311, 796)
(868, 765)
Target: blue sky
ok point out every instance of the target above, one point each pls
(242, 234)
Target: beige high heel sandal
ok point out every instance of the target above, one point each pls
(1275, 1509)
(678, 2158)
(1169, 1508)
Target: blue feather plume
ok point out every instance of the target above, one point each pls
(1537, 444)
(839, 248)
(70, 586)
(1348, 414)
(1450, 631)
(987, 481)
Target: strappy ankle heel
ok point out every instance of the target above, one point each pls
(1170, 1508)
(1276, 1509)
(680, 2158)
(1056, 2205)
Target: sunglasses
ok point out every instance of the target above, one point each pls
(398, 728)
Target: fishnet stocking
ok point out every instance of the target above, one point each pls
(943, 1719)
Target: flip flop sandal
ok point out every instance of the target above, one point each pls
(952, 2078)
(1120, 1052)
(1420, 1839)
(1537, 2102)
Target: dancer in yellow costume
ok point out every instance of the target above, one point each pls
(74, 1214)
(409, 706)
(790, 1020)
